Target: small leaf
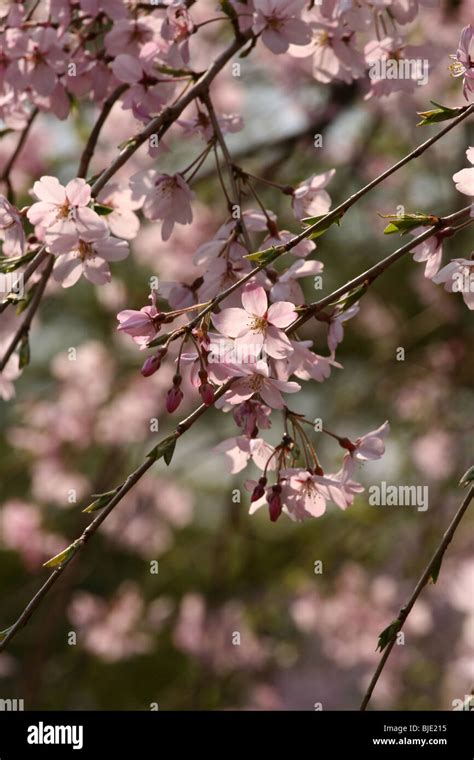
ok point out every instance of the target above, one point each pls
(102, 209)
(263, 257)
(168, 455)
(345, 303)
(161, 448)
(101, 500)
(174, 72)
(324, 222)
(4, 634)
(440, 113)
(6, 131)
(10, 264)
(467, 478)
(24, 355)
(406, 222)
(126, 143)
(63, 557)
(388, 634)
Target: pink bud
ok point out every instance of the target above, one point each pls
(274, 504)
(151, 365)
(173, 398)
(259, 490)
(207, 393)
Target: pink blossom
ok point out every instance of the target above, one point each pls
(140, 325)
(64, 210)
(256, 324)
(336, 329)
(370, 446)
(256, 379)
(279, 25)
(166, 197)
(86, 256)
(240, 450)
(464, 61)
(430, 251)
(122, 221)
(464, 179)
(287, 288)
(11, 229)
(310, 198)
(458, 277)
(305, 364)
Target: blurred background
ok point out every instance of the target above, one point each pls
(234, 615)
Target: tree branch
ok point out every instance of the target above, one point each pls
(432, 567)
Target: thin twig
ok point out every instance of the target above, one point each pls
(95, 132)
(5, 176)
(230, 170)
(432, 566)
(24, 328)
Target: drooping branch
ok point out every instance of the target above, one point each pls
(137, 474)
(431, 570)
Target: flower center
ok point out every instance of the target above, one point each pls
(259, 325)
(85, 250)
(256, 382)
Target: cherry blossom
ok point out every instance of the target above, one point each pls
(11, 229)
(64, 210)
(464, 61)
(279, 24)
(86, 255)
(165, 197)
(253, 379)
(458, 277)
(257, 325)
(464, 179)
(310, 198)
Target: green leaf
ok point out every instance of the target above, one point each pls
(263, 257)
(440, 113)
(5, 132)
(168, 455)
(352, 298)
(127, 143)
(63, 557)
(4, 634)
(10, 264)
(174, 72)
(467, 478)
(102, 209)
(162, 448)
(24, 355)
(388, 634)
(324, 222)
(101, 500)
(403, 223)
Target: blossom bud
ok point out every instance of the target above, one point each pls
(274, 503)
(207, 393)
(173, 398)
(151, 365)
(259, 490)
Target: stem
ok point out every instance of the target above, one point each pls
(26, 324)
(160, 124)
(5, 177)
(94, 135)
(405, 611)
